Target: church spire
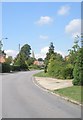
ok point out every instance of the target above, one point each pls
(33, 55)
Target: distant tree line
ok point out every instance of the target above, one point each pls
(23, 61)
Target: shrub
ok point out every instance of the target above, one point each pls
(5, 68)
(67, 72)
(34, 67)
(24, 67)
(54, 68)
(18, 67)
(15, 68)
(78, 69)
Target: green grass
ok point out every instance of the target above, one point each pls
(73, 93)
(41, 74)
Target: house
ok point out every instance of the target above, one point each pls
(39, 63)
(2, 57)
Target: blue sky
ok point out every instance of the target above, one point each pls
(38, 24)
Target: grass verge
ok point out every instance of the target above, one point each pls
(41, 74)
(73, 93)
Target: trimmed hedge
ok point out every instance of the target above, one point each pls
(15, 68)
(5, 68)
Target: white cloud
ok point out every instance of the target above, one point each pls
(61, 53)
(44, 50)
(44, 37)
(42, 53)
(12, 53)
(74, 27)
(44, 20)
(64, 10)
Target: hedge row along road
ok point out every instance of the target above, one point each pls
(23, 99)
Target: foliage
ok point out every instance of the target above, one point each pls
(25, 50)
(40, 59)
(41, 74)
(5, 68)
(15, 68)
(58, 67)
(73, 51)
(9, 59)
(78, 69)
(48, 55)
(55, 66)
(30, 61)
(67, 72)
(23, 57)
(34, 67)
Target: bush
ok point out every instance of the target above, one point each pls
(67, 73)
(78, 69)
(54, 68)
(18, 67)
(24, 67)
(35, 67)
(5, 68)
(76, 74)
(15, 68)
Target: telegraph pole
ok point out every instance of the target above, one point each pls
(19, 47)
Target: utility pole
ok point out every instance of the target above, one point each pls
(19, 47)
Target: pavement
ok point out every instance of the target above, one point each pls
(52, 83)
(21, 98)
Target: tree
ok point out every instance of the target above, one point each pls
(48, 55)
(25, 50)
(9, 59)
(55, 66)
(73, 51)
(23, 56)
(40, 59)
(51, 48)
(30, 61)
(78, 69)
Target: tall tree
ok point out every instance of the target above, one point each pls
(73, 51)
(25, 50)
(40, 59)
(23, 56)
(51, 48)
(78, 69)
(48, 55)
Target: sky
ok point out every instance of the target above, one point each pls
(38, 24)
(41, 0)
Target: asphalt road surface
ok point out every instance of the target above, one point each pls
(21, 98)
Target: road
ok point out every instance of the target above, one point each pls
(21, 98)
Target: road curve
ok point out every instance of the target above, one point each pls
(21, 98)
